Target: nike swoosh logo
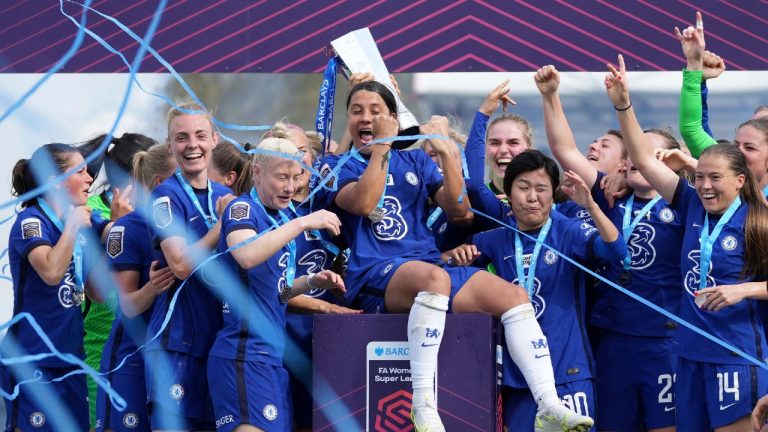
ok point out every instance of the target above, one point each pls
(668, 409)
(541, 355)
(722, 408)
(427, 345)
(508, 257)
(696, 225)
(193, 218)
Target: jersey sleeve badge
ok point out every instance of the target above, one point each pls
(161, 211)
(30, 228)
(115, 241)
(239, 211)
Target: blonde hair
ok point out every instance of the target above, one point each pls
(315, 142)
(150, 164)
(281, 129)
(272, 144)
(189, 106)
(524, 125)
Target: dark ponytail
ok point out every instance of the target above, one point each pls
(26, 172)
(117, 157)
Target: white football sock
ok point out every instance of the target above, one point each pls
(529, 350)
(426, 323)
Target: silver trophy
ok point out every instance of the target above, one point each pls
(358, 53)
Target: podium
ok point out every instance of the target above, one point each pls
(361, 373)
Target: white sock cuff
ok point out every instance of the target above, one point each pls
(518, 313)
(433, 300)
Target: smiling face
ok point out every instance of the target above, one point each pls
(364, 105)
(276, 181)
(191, 140)
(78, 184)
(606, 153)
(753, 144)
(530, 197)
(506, 139)
(716, 183)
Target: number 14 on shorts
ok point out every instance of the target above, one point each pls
(728, 384)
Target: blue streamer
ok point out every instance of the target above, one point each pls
(116, 399)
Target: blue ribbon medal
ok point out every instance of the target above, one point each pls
(526, 280)
(77, 253)
(708, 240)
(290, 271)
(210, 218)
(627, 226)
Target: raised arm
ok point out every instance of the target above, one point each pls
(447, 197)
(713, 67)
(640, 150)
(691, 129)
(559, 134)
(609, 246)
(482, 198)
(474, 152)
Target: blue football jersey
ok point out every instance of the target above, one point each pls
(558, 296)
(654, 250)
(54, 307)
(312, 257)
(738, 324)
(253, 315)
(413, 177)
(482, 197)
(129, 249)
(196, 316)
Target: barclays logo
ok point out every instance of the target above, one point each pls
(387, 350)
(401, 352)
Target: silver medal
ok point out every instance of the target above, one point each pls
(78, 298)
(377, 215)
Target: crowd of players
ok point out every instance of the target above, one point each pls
(387, 230)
